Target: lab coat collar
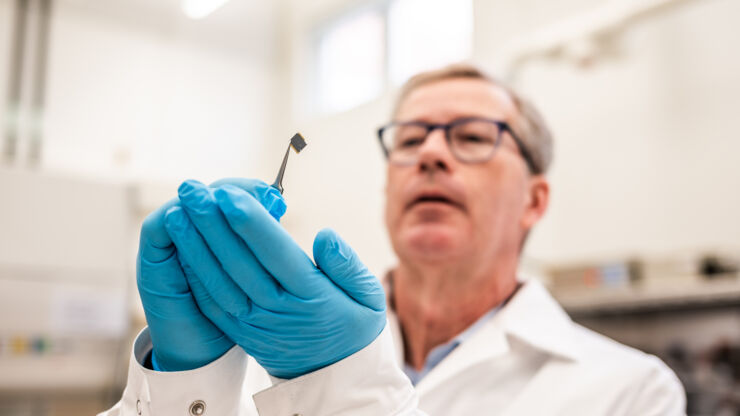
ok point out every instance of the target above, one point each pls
(531, 316)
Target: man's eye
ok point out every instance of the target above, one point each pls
(410, 142)
(472, 138)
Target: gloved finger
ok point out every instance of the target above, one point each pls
(271, 244)
(270, 197)
(158, 272)
(155, 244)
(211, 308)
(161, 279)
(193, 251)
(212, 342)
(343, 266)
(235, 257)
(172, 315)
(240, 330)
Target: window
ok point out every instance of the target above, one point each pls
(364, 51)
(351, 61)
(427, 34)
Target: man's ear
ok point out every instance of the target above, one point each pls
(536, 202)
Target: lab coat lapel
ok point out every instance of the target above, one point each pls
(395, 328)
(485, 344)
(488, 342)
(539, 322)
(534, 317)
(538, 391)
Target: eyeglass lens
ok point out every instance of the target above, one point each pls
(470, 141)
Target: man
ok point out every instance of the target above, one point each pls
(466, 184)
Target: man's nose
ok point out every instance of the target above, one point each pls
(434, 153)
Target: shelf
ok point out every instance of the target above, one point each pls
(695, 294)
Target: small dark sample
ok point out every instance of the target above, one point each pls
(297, 142)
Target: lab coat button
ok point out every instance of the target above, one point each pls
(197, 408)
(138, 407)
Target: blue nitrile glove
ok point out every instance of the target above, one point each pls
(182, 337)
(255, 283)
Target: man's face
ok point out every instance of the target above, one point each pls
(440, 209)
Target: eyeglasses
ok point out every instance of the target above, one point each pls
(471, 140)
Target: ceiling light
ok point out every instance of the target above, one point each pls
(198, 9)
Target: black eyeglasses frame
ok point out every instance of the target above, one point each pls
(502, 126)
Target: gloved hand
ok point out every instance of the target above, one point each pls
(255, 283)
(182, 337)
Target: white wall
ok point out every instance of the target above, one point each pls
(646, 156)
(337, 181)
(136, 90)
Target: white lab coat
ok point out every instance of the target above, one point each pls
(528, 359)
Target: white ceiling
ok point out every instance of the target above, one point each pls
(248, 26)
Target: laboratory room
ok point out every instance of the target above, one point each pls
(369, 207)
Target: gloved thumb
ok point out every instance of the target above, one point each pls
(342, 265)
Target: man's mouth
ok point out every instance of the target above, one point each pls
(434, 198)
